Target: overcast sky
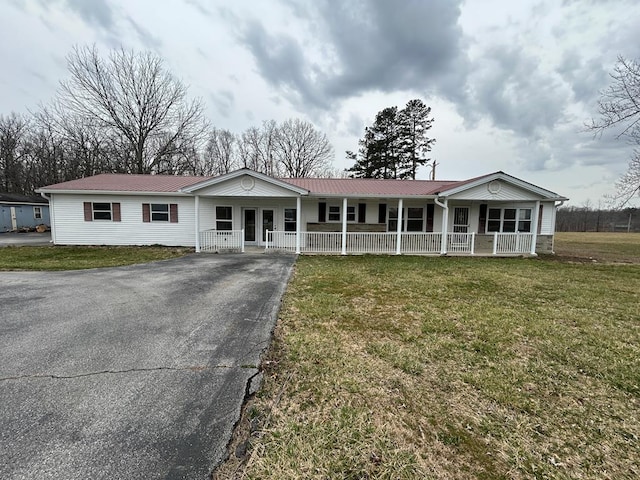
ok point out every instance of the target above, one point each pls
(511, 83)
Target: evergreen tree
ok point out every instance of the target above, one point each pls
(414, 122)
(395, 145)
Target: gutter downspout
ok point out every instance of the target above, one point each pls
(534, 228)
(343, 238)
(51, 216)
(197, 222)
(445, 222)
(553, 239)
(298, 226)
(399, 228)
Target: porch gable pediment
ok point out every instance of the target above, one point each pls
(245, 183)
(500, 187)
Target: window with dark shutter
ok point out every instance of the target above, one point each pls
(146, 213)
(482, 220)
(430, 213)
(362, 213)
(173, 213)
(382, 213)
(322, 212)
(88, 212)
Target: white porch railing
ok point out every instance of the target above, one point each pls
(461, 243)
(361, 242)
(512, 243)
(214, 240)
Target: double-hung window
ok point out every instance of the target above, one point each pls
(509, 220)
(159, 212)
(37, 213)
(101, 211)
(224, 218)
(334, 213)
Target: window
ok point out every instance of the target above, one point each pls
(102, 211)
(224, 218)
(509, 220)
(159, 212)
(37, 212)
(393, 219)
(290, 219)
(334, 213)
(351, 213)
(414, 219)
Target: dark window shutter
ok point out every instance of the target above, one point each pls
(173, 213)
(146, 213)
(382, 213)
(540, 219)
(362, 213)
(430, 211)
(482, 220)
(322, 212)
(115, 207)
(88, 212)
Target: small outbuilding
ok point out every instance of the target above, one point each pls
(19, 212)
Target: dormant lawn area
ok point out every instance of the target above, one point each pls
(452, 368)
(78, 258)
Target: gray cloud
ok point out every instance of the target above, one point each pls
(510, 88)
(224, 101)
(371, 45)
(94, 12)
(148, 40)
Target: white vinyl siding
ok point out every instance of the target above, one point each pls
(71, 229)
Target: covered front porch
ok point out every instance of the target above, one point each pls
(357, 243)
(248, 209)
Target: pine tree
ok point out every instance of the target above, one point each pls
(414, 122)
(395, 145)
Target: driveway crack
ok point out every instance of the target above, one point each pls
(192, 368)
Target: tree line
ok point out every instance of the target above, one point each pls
(588, 219)
(127, 114)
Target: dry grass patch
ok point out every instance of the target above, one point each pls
(405, 367)
(598, 246)
(79, 258)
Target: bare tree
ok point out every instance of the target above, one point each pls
(132, 96)
(619, 108)
(257, 148)
(302, 150)
(220, 154)
(13, 133)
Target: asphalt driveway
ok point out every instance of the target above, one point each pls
(133, 372)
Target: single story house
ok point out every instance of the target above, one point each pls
(495, 214)
(22, 211)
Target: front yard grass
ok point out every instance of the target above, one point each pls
(450, 368)
(77, 258)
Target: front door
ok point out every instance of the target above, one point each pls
(249, 221)
(461, 220)
(267, 223)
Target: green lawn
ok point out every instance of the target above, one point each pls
(76, 258)
(450, 368)
(599, 246)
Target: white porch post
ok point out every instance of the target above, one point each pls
(399, 228)
(534, 227)
(344, 227)
(445, 225)
(197, 222)
(298, 217)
